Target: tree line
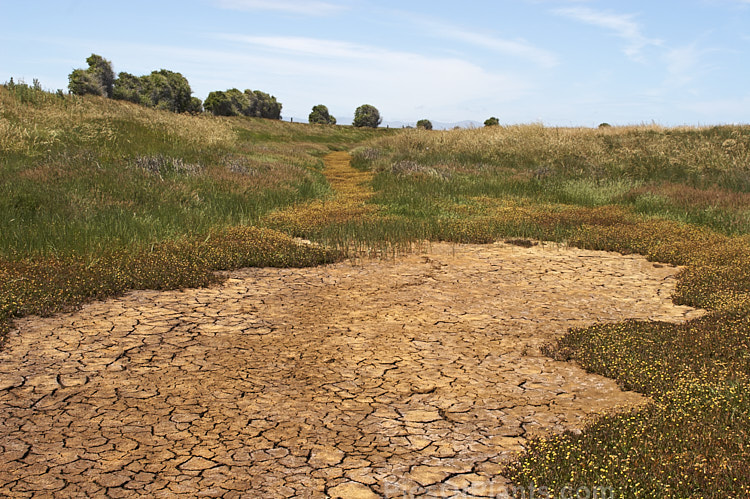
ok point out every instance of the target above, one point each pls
(170, 91)
(161, 89)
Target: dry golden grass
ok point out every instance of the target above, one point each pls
(631, 151)
(349, 201)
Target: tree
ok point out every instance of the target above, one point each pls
(250, 104)
(98, 79)
(166, 90)
(101, 70)
(82, 83)
(265, 105)
(218, 104)
(367, 116)
(491, 121)
(320, 115)
(424, 124)
(128, 87)
(161, 89)
(243, 103)
(195, 106)
(232, 102)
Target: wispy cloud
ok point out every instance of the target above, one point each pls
(515, 48)
(302, 7)
(685, 64)
(308, 46)
(442, 30)
(400, 83)
(622, 25)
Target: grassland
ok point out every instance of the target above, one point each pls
(102, 196)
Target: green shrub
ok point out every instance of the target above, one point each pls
(98, 79)
(367, 116)
(321, 116)
(252, 103)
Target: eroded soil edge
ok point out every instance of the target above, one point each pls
(420, 374)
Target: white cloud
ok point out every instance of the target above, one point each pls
(302, 7)
(441, 30)
(622, 25)
(306, 71)
(330, 49)
(515, 48)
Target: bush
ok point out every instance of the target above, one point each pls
(424, 124)
(218, 104)
(98, 79)
(82, 83)
(166, 90)
(367, 116)
(491, 121)
(248, 103)
(161, 89)
(195, 106)
(265, 105)
(128, 87)
(101, 70)
(320, 115)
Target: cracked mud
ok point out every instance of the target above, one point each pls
(419, 375)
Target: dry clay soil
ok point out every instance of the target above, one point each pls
(417, 376)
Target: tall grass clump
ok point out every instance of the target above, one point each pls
(692, 175)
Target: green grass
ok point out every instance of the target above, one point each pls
(692, 175)
(81, 175)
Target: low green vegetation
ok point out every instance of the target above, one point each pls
(367, 115)
(694, 175)
(248, 103)
(320, 116)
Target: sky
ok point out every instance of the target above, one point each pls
(556, 62)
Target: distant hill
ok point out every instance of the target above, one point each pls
(437, 125)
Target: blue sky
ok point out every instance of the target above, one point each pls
(560, 62)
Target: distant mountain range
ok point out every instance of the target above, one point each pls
(437, 125)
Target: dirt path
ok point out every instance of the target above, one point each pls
(419, 375)
(351, 190)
